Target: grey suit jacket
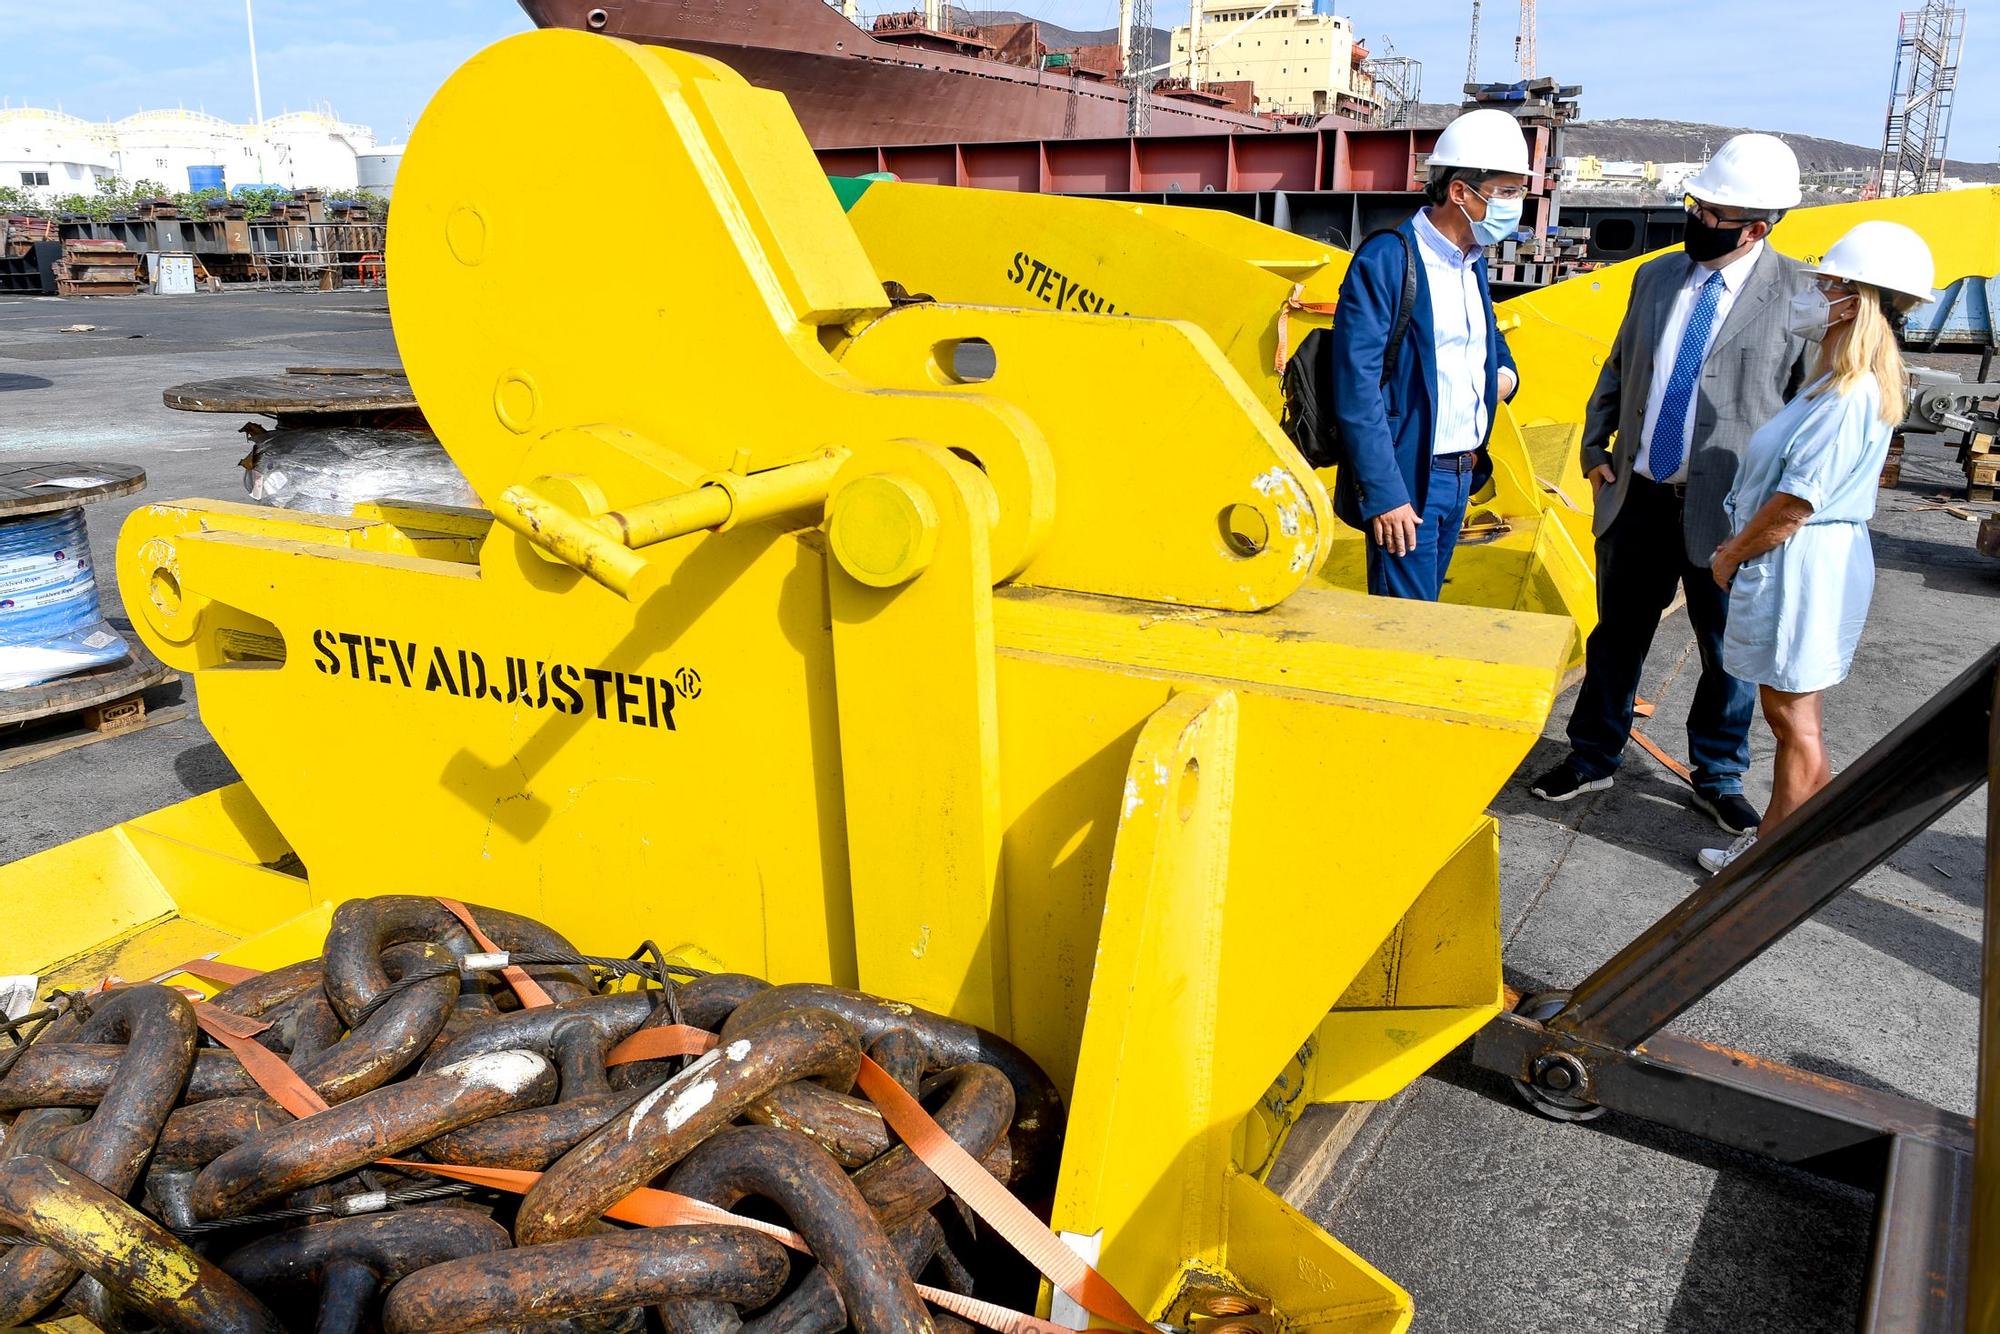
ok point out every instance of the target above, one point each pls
(1754, 366)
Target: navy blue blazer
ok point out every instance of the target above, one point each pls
(1387, 428)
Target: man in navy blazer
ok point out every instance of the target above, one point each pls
(1415, 433)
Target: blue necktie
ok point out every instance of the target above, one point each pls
(1670, 431)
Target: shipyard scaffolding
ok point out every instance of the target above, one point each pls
(1136, 35)
(1928, 43)
(1399, 85)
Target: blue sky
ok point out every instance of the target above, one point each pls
(1810, 66)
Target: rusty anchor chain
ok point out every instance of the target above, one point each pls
(151, 1170)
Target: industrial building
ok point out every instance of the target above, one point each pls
(51, 153)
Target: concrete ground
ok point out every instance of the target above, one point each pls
(1494, 1218)
(96, 396)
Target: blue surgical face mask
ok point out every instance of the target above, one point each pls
(1502, 220)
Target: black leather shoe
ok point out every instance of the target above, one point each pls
(1563, 782)
(1729, 810)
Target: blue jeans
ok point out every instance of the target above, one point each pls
(1420, 574)
(1640, 560)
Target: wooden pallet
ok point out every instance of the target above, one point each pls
(86, 708)
(1892, 467)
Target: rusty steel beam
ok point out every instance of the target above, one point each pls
(1933, 761)
(1917, 1275)
(1937, 1174)
(1983, 1301)
(1730, 1097)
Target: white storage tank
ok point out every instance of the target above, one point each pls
(160, 146)
(376, 170)
(48, 153)
(313, 149)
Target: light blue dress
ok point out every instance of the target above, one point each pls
(1795, 612)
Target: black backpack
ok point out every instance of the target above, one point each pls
(1308, 416)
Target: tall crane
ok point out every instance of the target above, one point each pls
(1472, 55)
(1524, 42)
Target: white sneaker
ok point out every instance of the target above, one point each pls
(1714, 859)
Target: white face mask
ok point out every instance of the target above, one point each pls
(1812, 314)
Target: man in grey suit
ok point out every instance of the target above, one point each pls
(1703, 358)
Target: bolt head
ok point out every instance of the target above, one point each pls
(883, 529)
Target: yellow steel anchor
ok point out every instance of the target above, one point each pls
(914, 712)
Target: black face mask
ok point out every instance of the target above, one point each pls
(1703, 242)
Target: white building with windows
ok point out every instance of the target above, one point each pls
(1302, 57)
(50, 154)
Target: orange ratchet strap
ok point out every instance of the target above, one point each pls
(993, 1202)
(215, 970)
(263, 1065)
(525, 987)
(1293, 303)
(1644, 708)
(650, 1044)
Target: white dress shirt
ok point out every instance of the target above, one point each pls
(1734, 274)
(1458, 318)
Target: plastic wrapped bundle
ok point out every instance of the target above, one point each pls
(49, 622)
(330, 470)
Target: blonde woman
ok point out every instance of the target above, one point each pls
(1798, 567)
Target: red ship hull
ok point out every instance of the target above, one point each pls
(850, 90)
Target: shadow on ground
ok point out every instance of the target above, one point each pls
(1772, 1239)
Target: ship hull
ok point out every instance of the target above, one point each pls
(849, 90)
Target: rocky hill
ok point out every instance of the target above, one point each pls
(1634, 140)
(1679, 141)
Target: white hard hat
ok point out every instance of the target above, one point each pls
(1882, 254)
(1757, 171)
(1484, 140)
